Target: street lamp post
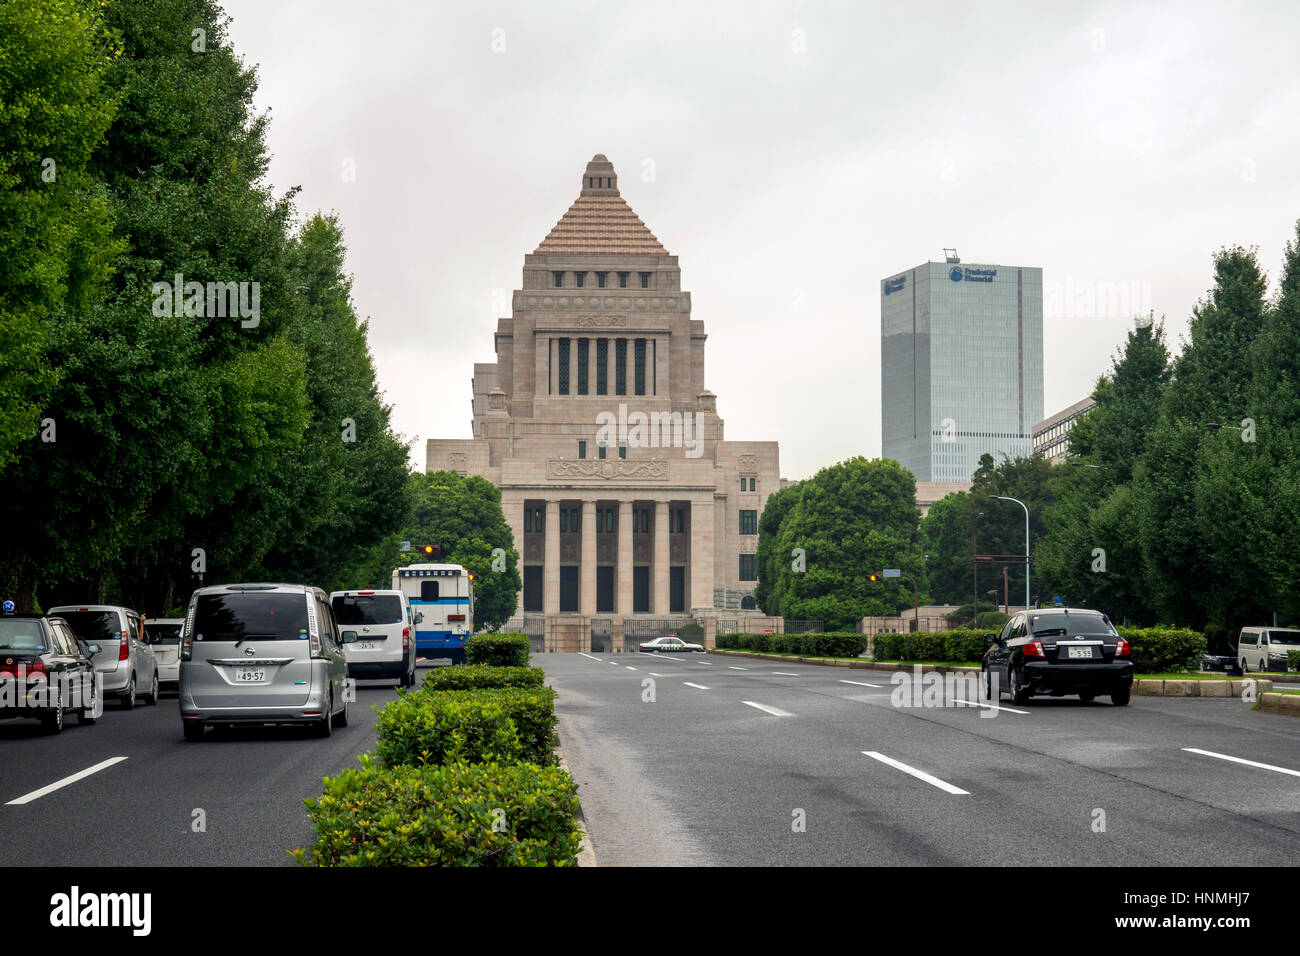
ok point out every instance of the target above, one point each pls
(1026, 507)
(974, 573)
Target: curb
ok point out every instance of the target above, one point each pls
(1222, 689)
(586, 855)
(861, 664)
(1288, 704)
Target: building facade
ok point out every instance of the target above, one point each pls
(595, 423)
(1052, 434)
(961, 365)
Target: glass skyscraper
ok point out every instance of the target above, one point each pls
(961, 365)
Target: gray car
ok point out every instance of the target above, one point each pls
(125, 662)
(259, 654)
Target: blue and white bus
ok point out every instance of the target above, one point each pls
(442, 608)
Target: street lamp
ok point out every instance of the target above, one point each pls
(974, 573)
(1026, 507)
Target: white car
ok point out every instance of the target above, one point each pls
(383, 646)
(669, 644)
(1262, 649)
(163, 634)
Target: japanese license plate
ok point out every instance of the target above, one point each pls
(245, 674)
(1084, 652)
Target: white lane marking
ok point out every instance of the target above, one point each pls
(735, 668)
(661, 657)
(784, 674)
(980, 703)
(918, 774)
(1248, 763)
(589, 657)
(615, 663)
(59, 784)
(861, 683)
(774, 711)
(705, 663)
(696, 686)
(629, 667)
(653, 674)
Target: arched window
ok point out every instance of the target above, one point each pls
(747, 603)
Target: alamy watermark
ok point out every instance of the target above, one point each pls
(220, 300)
(649, 430)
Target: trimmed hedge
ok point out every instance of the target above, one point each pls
(961, 645)
(470, 726)
(459, 815)
(1293, 660)
(834, 644)
(497, 650)
(476, 676)
(1161, 650)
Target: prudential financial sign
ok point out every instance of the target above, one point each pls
(960, 273)
(895, 285)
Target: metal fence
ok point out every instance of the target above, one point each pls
(803, 627)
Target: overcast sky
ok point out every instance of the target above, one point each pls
(791, 155)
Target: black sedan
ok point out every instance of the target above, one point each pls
(1058, 651)
(45, 671)
(1220, 655)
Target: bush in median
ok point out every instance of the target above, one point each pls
(834, 644)
(1293, 660)
(498, 650)
(474, 726)
(478, 676)
(1164, 650)
(458, 815)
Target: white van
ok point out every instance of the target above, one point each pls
(1265, 648)
(384, 646)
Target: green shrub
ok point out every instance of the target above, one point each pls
(459, 815)
(1293, 660)
(597, 645)
(835, 644)
(498, 650)
(961, 646)
(964, 645)
(728, 641)
(887, 647)
(471, 726)
(991, 620)
(476, 676)
(1161, 650)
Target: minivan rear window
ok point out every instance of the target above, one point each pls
(162, 633)
(352, 609)
(94, 627)
(241, 615)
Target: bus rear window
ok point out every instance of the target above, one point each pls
(237, 616)
(367, 609)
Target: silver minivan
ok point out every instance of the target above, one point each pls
(383, 646)
(125, 662)
(259, 654)
(1261, 649)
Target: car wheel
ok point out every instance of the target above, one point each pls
(1120, 697)
(342, 720)
(152, 697)
(87, 715)
(193, 729)
(1244, 669)
(128, 699)
(53, 721)
(1019, 694)
(326, 725)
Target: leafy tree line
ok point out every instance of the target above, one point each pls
(139, 442)
(1178, 504)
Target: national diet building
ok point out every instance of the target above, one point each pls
(595, 422)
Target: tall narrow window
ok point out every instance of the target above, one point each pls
(748, 522)
(645, 280)
(582, 449)
(602, 366)
(620, 366)
(640, 366)
(559, 279)
(622, 279)
(528, 519)
(582, 365)
(747, 568)
(600, 450)
(579, 278)
(622, 450)
(600, 279)
(564, 367)
(564, 519)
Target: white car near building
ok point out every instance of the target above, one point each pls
(668, 645)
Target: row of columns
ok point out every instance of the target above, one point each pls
(699, 579)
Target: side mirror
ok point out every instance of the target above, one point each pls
(94, 649)
(419, 616)
(990, 638)
(349, 637)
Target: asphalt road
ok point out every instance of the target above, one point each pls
(249, 783)
(733, 753)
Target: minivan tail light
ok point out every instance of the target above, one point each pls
(315, 646)
(406, 639)
(124, 649)
(187, 647)
(1034, 649)
(1122, 649)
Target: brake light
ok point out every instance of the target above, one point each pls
(187, 647)
(406, 639)
(365, 592)
(455, 617)
(1034, 649)
(1122, 649)
(124, 649)
(315, 646)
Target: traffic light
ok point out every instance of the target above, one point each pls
(432, 551)
(873, 577)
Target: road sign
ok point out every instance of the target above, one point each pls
(406, 546)
(1058, 600)
(892, 573)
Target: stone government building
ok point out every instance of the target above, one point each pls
(630, 511)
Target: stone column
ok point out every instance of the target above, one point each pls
(702, 552)
(623, 582)
(609, 378)
(587, 573)
(514, 511)
(659, 600)
(551, 571)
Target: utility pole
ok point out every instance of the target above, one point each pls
(1006, 600)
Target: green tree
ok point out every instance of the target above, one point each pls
(851, 518)
(946, 539)
(463, 516)
(767, 559)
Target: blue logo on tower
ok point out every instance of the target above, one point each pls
(7, 607)
(955, 273)
(895, 285)
(958, 273)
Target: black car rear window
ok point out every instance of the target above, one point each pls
(237, 616)
(162, 633)
(1069, 625)
(94, 627)
(367, 609)
(22, 636)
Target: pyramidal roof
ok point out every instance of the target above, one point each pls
(600, 221)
